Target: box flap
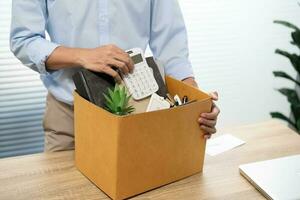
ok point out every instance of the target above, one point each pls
(183, 89)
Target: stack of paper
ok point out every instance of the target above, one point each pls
(222, 143)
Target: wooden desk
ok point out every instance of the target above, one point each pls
(53, 176)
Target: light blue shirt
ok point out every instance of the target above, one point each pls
(93, 23)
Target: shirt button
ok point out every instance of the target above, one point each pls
(103, 19)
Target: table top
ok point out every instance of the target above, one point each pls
(54, 176)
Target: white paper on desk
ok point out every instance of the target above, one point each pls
(222, 143)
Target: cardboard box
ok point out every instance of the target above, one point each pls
(128, 155)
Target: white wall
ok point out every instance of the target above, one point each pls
(232, 45)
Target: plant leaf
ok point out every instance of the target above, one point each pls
(116, 88)
(287, 24)
(296, 38)
(129, 109)
(282, 74)
(117, 101)
(298, 126)
(116, 96)
(122, 97)
(119, 109)
(295, 108)
(110, 92)
(294, 59)
(127, 100)
(109, 104)
(281, 116)
(291, 95)
(108, 100)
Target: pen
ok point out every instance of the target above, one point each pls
(177, 100)
(185, 99)
(170, 102)
(170, 98)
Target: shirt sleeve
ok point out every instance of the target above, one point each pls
(27, 36)
(168, 38)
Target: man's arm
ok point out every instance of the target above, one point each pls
(28, 43)
(27, 37)
(100, 59)
(168, 38)
(168, 42)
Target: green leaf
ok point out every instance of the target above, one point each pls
(281, 116)
(110, 108)
(116, 88)
(296, 38)
(298, 126)
(284, 53)
(295, 108)
(110, 92)
(290, 94)
(127, 99)
(129, 109)
(116, 96)
(119, 109)
(282, 74)
(122, 97)
(108, 100)
(294, 59)
(109, 104)
(287, 24)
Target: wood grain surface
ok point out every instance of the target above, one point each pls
(53, 176)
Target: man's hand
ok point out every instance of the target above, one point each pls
(207, 121)
(107, 59)
(102, 59)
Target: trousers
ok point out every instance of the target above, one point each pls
(58, 124)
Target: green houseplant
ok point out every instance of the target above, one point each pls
(291, 94)
(117, 101)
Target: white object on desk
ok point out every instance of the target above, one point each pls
(157, 103)
(222, 143)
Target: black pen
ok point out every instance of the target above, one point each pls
(185, 99)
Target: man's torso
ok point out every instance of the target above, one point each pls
(90, 24)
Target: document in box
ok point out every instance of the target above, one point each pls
(222, 143)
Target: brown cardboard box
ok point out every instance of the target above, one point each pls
(127, 155)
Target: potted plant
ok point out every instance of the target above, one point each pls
(117, 101)
(290, 93)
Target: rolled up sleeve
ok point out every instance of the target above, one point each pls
(168, 38)
(27, 36)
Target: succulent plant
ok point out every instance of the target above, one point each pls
(117, 101)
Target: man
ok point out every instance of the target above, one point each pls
(94, 34)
